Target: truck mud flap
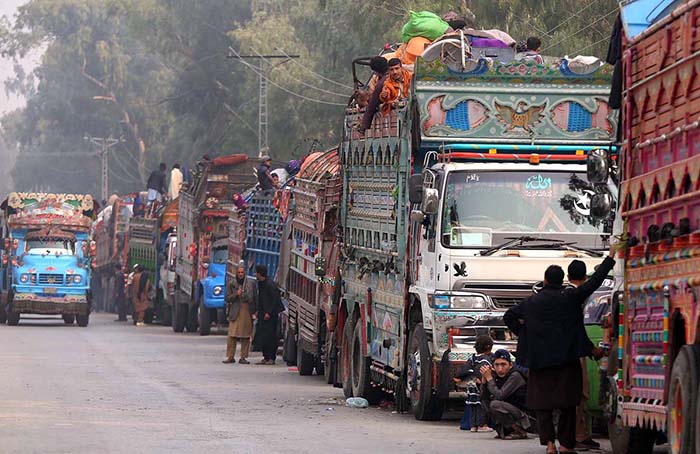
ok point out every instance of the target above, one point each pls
(444, 377)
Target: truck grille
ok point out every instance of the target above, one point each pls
(502, 302)
(50, 279)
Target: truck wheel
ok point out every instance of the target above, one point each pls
(68, 319)
(359, 370)
(683, 390)
(305, 362)
(3, 312)
(425, 404)
(345, 355)
(179, 317)
(330, 368)
(204, 320)
(13, 318)
(83, 320)
(289, 352)
(192, 321)
(166, 315)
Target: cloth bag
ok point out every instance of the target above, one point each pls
(423, 23)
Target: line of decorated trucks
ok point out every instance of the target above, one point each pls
(397, 248)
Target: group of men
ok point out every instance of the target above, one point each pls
(158, 188)
(248, 301)
(134, 288)
(547, 382)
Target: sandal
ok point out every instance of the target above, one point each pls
(517, 436)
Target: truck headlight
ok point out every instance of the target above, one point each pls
(24, 278)
(77, 279)
(468, 302)
(459, 302)
(217, 290)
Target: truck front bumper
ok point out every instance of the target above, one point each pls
(33, 303)
(213, 302)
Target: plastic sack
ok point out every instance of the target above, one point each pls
(425, 24)
(357, 402)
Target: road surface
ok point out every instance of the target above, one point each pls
(116, 388)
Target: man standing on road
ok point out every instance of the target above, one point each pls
(240, 307)
(140, 286)
(269, 306)
(552, 350)
(119, 298)
(584, 440)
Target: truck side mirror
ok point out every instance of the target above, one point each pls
(601, 205)
(597, 166)
(415, 188)
(320, 266)
(430, 201)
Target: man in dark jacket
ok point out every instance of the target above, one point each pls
(264, 175)
(156, 184)
(380, 66)
(551, 348)
(269, 307)
(119, 297)
(504, 396)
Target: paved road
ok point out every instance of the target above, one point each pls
(115, 388)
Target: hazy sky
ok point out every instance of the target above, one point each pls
(9, 8)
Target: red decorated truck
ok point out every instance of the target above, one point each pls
(656, 316)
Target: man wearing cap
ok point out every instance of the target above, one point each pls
(379, 66)
(504, 397)
(264, 175)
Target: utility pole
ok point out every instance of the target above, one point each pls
(103, 145)
(263, 70)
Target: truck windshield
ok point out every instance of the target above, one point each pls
(50, 247)
(480, 206)
(220, 256)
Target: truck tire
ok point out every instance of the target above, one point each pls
(192, 319)
(682, 400)
(166, 315)
(3, 311)
(83, 320)
(345, 355)
(359, 370)
(289, 350)
(13, 318)
(179, 317)
(426, 406)
(305, 362)
(204, 320)
(330, 368)
(68, 319)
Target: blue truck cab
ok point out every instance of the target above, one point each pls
(212, 289)
(50, 257)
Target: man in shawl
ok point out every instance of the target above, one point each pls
(140, 286)
(396, 86)
(240, 309)
(379, 67)
(269, 307)
(551, 348)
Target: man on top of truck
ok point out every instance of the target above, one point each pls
(396, 86)
(156, 184)
(264, 175)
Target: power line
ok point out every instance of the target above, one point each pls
(593, 45)
(313, 87)
(570, 18)
(579, 31)
(321, 76)
(255, 70)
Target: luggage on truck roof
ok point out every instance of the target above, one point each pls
(423, 23)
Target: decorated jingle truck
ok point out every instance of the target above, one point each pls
(453, 205)
(314, 221)
(656, 315)
(109, 232)
(205, 205)
(50, 255)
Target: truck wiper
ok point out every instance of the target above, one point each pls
(572, 247)
(521, 239)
